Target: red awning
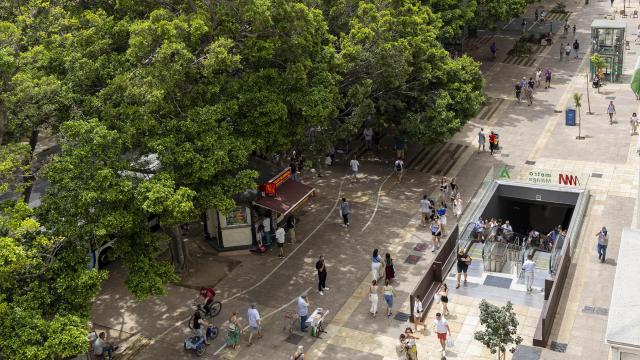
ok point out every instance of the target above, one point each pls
(290, 195)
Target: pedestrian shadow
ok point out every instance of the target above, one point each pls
(611, 262)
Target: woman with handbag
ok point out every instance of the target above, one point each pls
(443, 293)
(412, 347)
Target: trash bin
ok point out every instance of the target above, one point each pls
(570, 117)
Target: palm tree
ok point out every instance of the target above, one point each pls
(577, 101)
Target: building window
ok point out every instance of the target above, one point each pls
(239, 216)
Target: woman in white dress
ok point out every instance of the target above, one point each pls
(457, 206)
(373, 297)
(376, 263)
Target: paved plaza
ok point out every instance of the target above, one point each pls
(385, 215)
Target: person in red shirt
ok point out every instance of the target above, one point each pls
(208, 294)
(492, 142)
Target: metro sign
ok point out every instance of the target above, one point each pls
(567, 179)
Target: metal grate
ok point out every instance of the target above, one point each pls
(530, 162)
(412, 259)
(595, 310)
(294, 339)
(558, 347)
(504, 155)
(498, 281)
(420, 247)
(596, 175)
(400, 316)
(610, 97)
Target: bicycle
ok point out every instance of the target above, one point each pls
(291, 319)
(213, 311)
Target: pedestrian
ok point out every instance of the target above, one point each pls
(344, 212)
(547, 78)
(482, 138)
(493, 49)
(425, 210)
(576, 47)
(399, 169)
(367, 133)
(529, 267)
(518, 89)
(538, 77)
(531, 83)
(387, 290)
(457, 206)
(280, 234)
(634, 124)
(436, 232)
(234, 330)
(102, 347)
(255, 322)
(266, 223)
(463, 262)
(453, 188)
(442, 217)
(354, 169)
(441, 328)
(528, 94)
(293, 165)
(199, 326)
(574, 30)
(400, 146)
(417, 312)
(389, 269)
(322, 275)
(443, 293)
(492, 142)
(561, 51)
(412, 347)
(298, 354)
(376, 264)
(603, 242)
(303, 311)
(611, 110)
(444, 191)
(524, 25)
(537, 15)
(611, 2)
(567, 50)
(373, 298)
(402, 347)
(291, 226)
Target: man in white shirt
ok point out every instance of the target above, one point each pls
(368, 137)
(441, 328)
(529, 267)
(507, 230)
(399, 168)
(280, 234)
(266, 223)
(255, 322)
(417, 312)
(354, 169)
(303, 311)
(102, 348)
(425, 210)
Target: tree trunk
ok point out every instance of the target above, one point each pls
(178, 247)
(4, 120)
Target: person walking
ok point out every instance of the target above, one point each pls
(298, 354)
(436, 232)
(400, 146)
(463, 262)
(367, 133)
(547, 78)
(567, 50)
(389, 269)
(457, 206)
(417, 312)
(255, 322)
(634, 124)
(280, 235)
(603, 242)
(453, 188)
(425, 210)
(344, 212)
(234, 330)
(444, 191)
(354, 164)
(376, 264)
(492, 141)
(537, 15)
(538, 77)
(528, 94)
(402, 347)
(442, 217)
(574, 30)
(531, 83)
(561, 51)
(412, 347)
(266, 223)
(373, 298)
(322, 275)
(529, 267)
(443, 293)
(303, 311)
(399, 169)
(293, 165)
(518, 89)
(387, 290)
(576, 47)
(524, 25)
(482, 138)
(291, 228)
(611, 110)
(441, 328)
(493, 49)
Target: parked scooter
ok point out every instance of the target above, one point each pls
(196, 342)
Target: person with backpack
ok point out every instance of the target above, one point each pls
(399, 168)
(576, 47)
(492, 142)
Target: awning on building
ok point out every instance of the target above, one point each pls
(290, 195)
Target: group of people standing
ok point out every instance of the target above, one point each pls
(377, 263)
(435, 216)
